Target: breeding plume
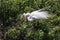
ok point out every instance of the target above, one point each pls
(38, 14)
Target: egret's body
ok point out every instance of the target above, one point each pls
(36, 15)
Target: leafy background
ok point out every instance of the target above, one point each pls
(14, 27)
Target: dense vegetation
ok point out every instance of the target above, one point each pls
(14, 27)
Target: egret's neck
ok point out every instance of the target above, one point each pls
(29, 19)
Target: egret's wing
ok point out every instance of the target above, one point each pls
(39, 15)
(43, 15)
(34, 17)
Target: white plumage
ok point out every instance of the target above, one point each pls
(36, 15)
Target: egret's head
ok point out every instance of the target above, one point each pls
(25, 15)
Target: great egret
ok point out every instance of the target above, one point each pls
(36, 15)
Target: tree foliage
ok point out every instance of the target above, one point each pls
(17, 28)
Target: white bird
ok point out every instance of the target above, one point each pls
(36, 15)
